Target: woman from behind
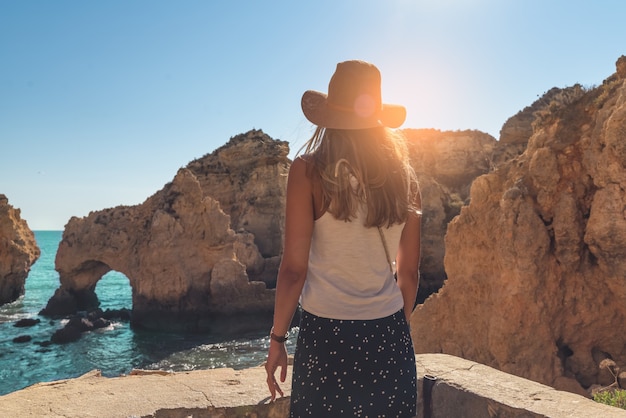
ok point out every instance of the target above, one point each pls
(351, 257)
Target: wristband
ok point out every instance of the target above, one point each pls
(278, 338)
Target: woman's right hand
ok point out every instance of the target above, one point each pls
(276, 357)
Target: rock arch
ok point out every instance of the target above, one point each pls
(188, 269)
(114, 291)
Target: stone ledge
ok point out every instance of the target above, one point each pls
(203, 393)
(461, 389)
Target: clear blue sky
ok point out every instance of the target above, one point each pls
(101, 102)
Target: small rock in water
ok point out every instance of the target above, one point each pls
(66, 335)
(124, 314)
(26, 322)
(83, 324)
(101, 323)
(22, 339)
(46, 343)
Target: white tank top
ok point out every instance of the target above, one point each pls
(348, 275)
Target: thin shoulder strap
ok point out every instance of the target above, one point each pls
(382, 238)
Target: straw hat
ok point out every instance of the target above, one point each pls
(353, 100)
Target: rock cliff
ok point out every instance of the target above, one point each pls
(536, 263)
(518, 129)
(446, 163)
(248, 178)
(18, 252)
(187, 266)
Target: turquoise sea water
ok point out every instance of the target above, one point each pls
(114, 350)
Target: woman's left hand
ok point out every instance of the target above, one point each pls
(276, 357)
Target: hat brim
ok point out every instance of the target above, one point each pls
(315, 108)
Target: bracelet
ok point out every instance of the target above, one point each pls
(278, 338)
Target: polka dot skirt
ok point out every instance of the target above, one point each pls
(354, 368)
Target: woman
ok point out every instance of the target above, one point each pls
(352, 213)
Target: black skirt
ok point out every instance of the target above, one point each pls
(354, 368)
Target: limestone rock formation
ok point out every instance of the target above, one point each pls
(18, 252)
(518, 129)
(446, 164)
(186, 264)
(536, 262)
(248, 178)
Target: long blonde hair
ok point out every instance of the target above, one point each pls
(365, 166)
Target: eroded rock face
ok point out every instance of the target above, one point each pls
(18, 252)
(536, 263)
(446, 164)
(518, 129)
(621, 67)
(248, 178)
(185, 263)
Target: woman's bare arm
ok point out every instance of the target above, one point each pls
(293, 267)
(408, 259)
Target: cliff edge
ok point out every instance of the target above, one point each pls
(536, 262)
(18, 252)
